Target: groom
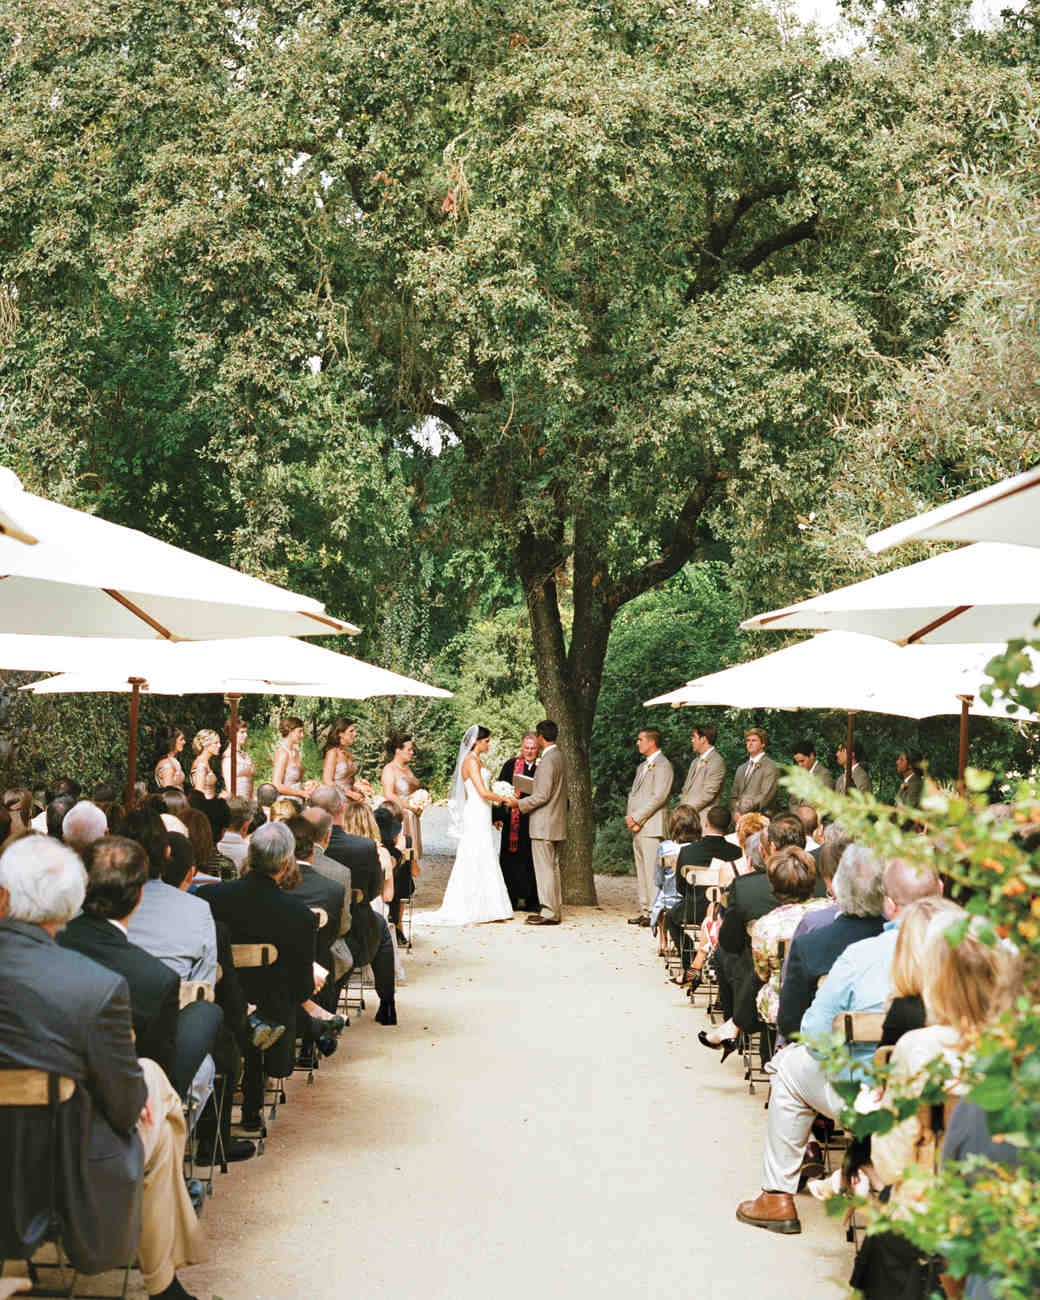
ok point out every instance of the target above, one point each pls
(547, 804)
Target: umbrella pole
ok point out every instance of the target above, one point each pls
(962, 753)
(131, 758)
(233, 742)
(850, 737)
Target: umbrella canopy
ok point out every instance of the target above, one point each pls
(854, 673)
(980, 594)
(249, 666)
(1006, 512)
(86, 576)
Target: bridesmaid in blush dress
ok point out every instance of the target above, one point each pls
(339, 767)
(399, 783)
(245, 768)
(168, 770)
(206, 746)
(287, 777)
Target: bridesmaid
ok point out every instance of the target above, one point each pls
(340, 767)
(206, 747)
(168, 770)
(245, 768)
(287, 776)
(399, 782)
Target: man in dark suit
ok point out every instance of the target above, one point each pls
(859, 893)
(256, 910)
(911, 781)
(316, 891)
(369, 936)
(120, 1185)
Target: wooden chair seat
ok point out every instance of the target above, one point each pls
(24, 1087)
(196, 991)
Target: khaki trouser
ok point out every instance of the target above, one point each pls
(799, 1091)
(169, 1228)
(644, 850)
(545, 855)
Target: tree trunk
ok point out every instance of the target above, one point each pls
(568, 683)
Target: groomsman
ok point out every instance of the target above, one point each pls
(647, 813)
(707, 772)
(860, 778)
(908, 767)
(757, 782)
(805, 757)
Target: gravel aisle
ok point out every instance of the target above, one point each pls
(541, 1123)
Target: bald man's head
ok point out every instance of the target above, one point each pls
(905, 883)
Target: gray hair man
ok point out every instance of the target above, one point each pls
(859, 980)
(83, 824)
(66, 1014)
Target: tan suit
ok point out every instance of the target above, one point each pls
(755, 786)
(820, 773)
(648, 805)
(704, 780)
(860, 779)
(547, 804)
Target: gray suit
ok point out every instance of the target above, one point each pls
(704, 780)
(61, 1011)
(547, 804)
(755, 786)
(648, 805)
(911, 790)
(342, 960)
(860, 780)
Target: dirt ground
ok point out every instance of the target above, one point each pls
(541, 1123)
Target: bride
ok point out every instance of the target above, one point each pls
(476, 889)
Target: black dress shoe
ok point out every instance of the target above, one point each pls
(234, 1149)
(635, 920)
(264, 1033)
(173, 1292)
(402, 938)
(305, 1057)
(387, 1014)
(327, 1044)
(253, 1124)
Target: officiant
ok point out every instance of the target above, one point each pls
(515, 853)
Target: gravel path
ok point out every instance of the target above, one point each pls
(541, 1123)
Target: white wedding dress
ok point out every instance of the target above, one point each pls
(476, 889)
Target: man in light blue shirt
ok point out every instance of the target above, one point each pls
(171, 924)
(859, 980)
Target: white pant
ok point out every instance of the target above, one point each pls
(800, 1091)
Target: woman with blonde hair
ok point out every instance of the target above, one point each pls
(748, 824)
(359, 819)
(206, 747)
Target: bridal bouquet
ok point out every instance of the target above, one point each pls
(503, 790)
(419, 801)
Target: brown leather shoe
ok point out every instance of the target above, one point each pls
(537, 919)
(774, 1211)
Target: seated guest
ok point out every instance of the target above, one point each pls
(120, 1181)
(54, 815)
(835, 844)
(697, 851)
(392, 841)
(792, 875)
(105, 794)
(63, 787)
(208, 862)
(82, 825)
(171, 924)
(859, 980)
(321, 825)
(19, 804)
(666, 895)
(860, 778)
(369, 936)
(266, 794)
(5, 826)
(810, 824)
(233, 844)
(257, 910)
(317, 890)
(748, 824)
(859, 895)
(117, 869)
(284, 809)
(174, 800)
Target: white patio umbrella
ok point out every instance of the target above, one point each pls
(248, 666)
(85, 576)
(980, 594)
(1008, 511)
(856, 673)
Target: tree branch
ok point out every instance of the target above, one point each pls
(685, 541)
(784, 239)
(447, 416)
(721, 233)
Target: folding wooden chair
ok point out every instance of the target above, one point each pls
(39, 1089)
(356, 1002)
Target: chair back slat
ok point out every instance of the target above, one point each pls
(196, 991)
(247, 955)
(859, 1026)
(321, 917)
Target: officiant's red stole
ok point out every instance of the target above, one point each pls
(514, 815)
